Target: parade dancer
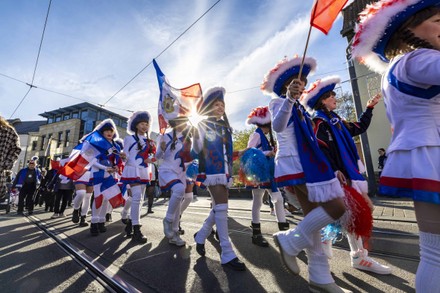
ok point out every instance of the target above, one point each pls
(400, 39)
(213, 144)
(139, 150)
(102, 142)
(260, 117)
(81, 201)
(335, 141)
(174, 147)
(301, 166)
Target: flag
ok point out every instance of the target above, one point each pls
(324, 13)
(173, 102)
(79, 161)
(55, 165)
(108, 189)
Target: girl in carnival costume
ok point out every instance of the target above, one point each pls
(335, 141)
(213, 144)
(400, 39)
(108, 160)
(300, 165)
(83, 191)
(139, 150)
(174, 148)
(260, 117)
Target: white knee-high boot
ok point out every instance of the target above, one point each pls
(356, 245)
(319, 268)
(77, 201)
(278, 203)
(295, 240)
(187, 199)
(177, 193)
(428, 272)
(206, 229)
(257, 202)
(221, 222)
(85, 204)
(137, 195)
(126, 209)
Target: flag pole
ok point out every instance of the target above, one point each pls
(308, 39)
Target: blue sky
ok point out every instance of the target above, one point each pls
(91, 49)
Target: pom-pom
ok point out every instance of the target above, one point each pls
(192, 170)
(332, 232)
(255, 167)
(357, 218)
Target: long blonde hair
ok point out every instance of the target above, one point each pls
(4, 122)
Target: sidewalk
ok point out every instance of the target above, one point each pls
(394, 209)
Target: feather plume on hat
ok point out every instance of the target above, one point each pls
(259, 115)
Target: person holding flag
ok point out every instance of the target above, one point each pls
(301, 167)
(335, 140)
(101, 154)
(139, 150)
(213, 144)
(400, 40)
(174, 107)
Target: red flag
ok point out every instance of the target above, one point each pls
(324, 13)
(54, 164)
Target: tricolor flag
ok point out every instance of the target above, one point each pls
(108, 189)
(324, 13)
(79, 161)
(174, 103)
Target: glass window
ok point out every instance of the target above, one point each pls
(75, 115)
(116, 120)
(92, 114)
(103, 116)
(58, 119)
(66, 117)
(34, 145)
(67, 138)
(88, 126)
(43, 138)
(124, 124)
(84, 114)
(50, 120)
(60, 137)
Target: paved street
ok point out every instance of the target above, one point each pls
(30, 261)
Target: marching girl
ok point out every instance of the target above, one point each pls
(103, 140)
(83, 190)
(139, 151)
(213, 144)
(174, 148)
(260, 117)
(400, 39)
(301, 166)
(335, 141)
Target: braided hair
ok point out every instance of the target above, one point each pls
(271, 139)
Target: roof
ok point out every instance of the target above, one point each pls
(78, 107)
(24, 127)
(350, 14)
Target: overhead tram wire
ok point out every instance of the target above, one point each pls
(36, 61)
(163, 51)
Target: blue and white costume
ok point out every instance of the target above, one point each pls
(413, 164)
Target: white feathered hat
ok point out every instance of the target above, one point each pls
(378, 22)
(259, 115)
(211, 95)
(315, 91)
(104, 125)
(275, 79)
(136, 118)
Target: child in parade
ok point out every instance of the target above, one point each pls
(213, 144)
(174, 146)
(139, 150)
(400, 39)
(102, 140)
(301, 166)
(335, 140)
(81, 201)
(260, 117)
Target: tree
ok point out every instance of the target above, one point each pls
(240, 139)
(346, 107)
